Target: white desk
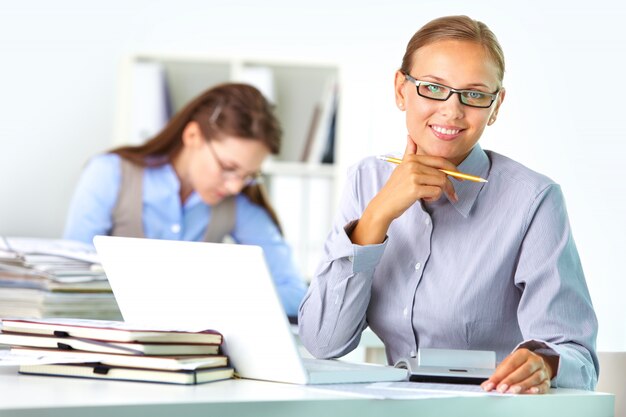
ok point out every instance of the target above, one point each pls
(27, 395)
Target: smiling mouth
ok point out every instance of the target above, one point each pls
(445, 131)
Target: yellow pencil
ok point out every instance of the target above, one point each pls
(450, 173)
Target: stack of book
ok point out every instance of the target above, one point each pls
(115, 350)
(53, 278)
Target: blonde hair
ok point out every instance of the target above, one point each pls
(455, 28)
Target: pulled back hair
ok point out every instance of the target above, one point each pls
(460, 28)
(229, 109)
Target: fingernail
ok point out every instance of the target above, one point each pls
(515, 389)
(502, 388)
(488, 386)
(534, 390)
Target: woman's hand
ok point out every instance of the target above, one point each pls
(523, 372)
(417, 177)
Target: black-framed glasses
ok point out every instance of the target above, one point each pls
(229, 174)
(434, 91)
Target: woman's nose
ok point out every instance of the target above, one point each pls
(452, 108)
(233, 184)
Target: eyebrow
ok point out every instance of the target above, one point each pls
(236, 167)
(442, 81)
(227, 161)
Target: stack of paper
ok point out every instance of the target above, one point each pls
(53, 278)
(115, 350)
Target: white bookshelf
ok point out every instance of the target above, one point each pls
(303, 193)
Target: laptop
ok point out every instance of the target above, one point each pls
(225, 287)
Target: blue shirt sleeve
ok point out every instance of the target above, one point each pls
(95, 196)
(255, 227)
(555, 311)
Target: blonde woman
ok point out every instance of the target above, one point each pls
(426, 260)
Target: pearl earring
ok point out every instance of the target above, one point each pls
(400, 105)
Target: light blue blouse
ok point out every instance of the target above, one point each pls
(164, 217)
(494, 271)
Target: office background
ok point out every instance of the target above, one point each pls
(563, 113)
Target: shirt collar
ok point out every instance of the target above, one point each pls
(173, 186)
(476, 163)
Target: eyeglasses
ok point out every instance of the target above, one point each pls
(434, 91)
(229, 174)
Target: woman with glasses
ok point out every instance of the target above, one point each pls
(196, 180)
(429, 260)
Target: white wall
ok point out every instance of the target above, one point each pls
(563, 113)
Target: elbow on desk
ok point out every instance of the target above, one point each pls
(319, 351)
(317, 334)
(322, 347)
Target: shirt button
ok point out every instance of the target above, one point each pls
(175, 228)
(412, 353)
(405, 311)
(427, 222)
(418, 266)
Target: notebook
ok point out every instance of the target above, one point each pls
(226, 287)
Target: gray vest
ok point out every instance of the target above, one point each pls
(128, 211)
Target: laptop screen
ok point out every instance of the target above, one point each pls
(198, 285)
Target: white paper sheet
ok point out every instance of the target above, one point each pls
(407, 390)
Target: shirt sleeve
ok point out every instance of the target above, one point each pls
(94, 198)
(333, 312)
(555, 312)
(254, 226)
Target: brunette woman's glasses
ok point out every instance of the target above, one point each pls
(229, 174)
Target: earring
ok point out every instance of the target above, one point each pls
(400, 105)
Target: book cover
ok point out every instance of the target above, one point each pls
(168, 363)
(98, 371)
(90, 345)
(117, 331)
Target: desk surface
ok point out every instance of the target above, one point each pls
(27, 395)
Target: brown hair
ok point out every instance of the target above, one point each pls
(456, 28)
(232, 109)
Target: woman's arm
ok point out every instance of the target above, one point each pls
(332, 314)
(255, 227)
(555, 313)
(94, 199)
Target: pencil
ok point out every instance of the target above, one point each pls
(448, 172)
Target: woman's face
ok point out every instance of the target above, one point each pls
(448, 129)
(219, 168)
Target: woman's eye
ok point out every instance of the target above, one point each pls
(475, 95)
(433, 88)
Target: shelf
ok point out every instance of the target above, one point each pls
(305, 98)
